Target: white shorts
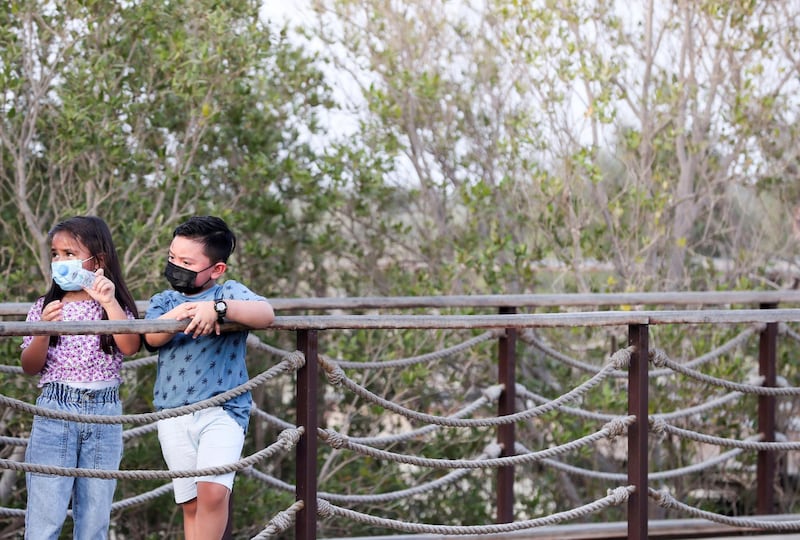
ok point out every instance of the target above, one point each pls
(207, 438)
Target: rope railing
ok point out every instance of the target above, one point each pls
(286, 440)
(493, 456)
(337, 377)
(615, 497)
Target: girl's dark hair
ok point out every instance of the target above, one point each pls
(217, 239)
(93, 233)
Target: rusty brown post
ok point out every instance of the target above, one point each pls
(765, 464)
(306, 451)
(638, 387)
(506, 375)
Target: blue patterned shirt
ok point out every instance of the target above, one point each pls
(191, 370)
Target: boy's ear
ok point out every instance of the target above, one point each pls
(219, 269)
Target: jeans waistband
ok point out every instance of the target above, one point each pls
(65, 393)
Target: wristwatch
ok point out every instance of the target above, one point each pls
(221, 308)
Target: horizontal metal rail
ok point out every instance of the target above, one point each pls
(566, 300)
(389, 321)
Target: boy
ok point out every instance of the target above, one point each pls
(200, 363)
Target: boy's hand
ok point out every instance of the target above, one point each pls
(204, 319)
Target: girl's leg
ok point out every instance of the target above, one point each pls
(52, 442)
(101, 448)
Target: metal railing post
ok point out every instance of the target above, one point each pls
(638, 385)
(506, 375)
(306, 451)
(765, 465)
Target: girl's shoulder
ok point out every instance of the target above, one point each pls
(35, 311)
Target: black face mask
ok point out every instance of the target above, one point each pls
(182, 279)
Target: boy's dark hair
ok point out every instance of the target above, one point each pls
(94, 234)
(217, 239)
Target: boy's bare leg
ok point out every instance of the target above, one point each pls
(210, 515)
(189, 517)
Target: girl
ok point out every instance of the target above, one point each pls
(79, 374)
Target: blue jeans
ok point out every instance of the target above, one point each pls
(63, 443)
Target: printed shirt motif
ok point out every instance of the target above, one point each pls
(77, 359)
(191, 370)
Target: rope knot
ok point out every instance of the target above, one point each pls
(658, 357)
(622, 358)
(324, 508)
(335, 440)
(280, 522)
(334, 373)
(657, 425)
(620, 494)
(663, 498)
(296, 358)
(290, 436)
(616, 427)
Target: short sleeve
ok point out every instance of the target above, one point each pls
(34, 315)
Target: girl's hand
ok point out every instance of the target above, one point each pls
(52, 311)
(102, 289)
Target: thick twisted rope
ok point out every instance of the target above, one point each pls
(664, 499)
(270, 419)
(337, 377)
(286, 440)
(139, 431)
(660, 358)
(491, 451)
(14, 370)
(338, 498)
(529, 336)
(281, 521)
(524, 393)
(14, 441)
(142, 497)
(654, 476)
(615, 497)
(293, 362)
(703, 407)
(489, 395)
(751, 443)
(428, 357)
(604, 417)
(609, 431)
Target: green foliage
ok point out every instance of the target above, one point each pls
(511, 147)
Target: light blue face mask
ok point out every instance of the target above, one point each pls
(68, 275)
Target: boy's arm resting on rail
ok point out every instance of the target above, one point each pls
(252, 313)
(155, 340)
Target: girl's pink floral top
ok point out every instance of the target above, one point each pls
(77, 358)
